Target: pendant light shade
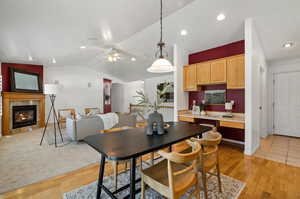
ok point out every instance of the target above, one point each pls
(161, 64)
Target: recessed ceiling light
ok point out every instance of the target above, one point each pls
(183, 32)
(53, 60)
(288, 45)
(82, 47)
(221, 17)
(30, 58)
(133, 59)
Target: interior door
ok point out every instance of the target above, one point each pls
(287, 104)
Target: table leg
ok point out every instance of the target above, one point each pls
(132, 178)
(101, 174)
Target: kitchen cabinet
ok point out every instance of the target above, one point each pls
(190, 78)
(203, 73)
(236, 72)
(228, 70)
(236, 125)
(218, 71)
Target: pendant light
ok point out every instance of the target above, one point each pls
(161, 64)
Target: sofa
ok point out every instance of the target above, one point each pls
(78, 129)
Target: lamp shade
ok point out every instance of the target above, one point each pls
(50, 89)
(161, 65)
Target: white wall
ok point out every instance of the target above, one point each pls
(150, 90)
(255, 89)
(73, 87)
(181, 101)
(117, 97)
(124, 94)
(1, 106)
(281, 66)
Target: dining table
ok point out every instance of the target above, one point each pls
(130, 144)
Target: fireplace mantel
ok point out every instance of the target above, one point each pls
(8, 97)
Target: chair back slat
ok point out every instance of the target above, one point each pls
(61, 116)
(211, 138)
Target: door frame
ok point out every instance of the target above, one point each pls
(273, 95)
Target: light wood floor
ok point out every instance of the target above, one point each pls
(265, 179)
(281, 149)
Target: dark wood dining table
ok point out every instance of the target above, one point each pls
(129, 144)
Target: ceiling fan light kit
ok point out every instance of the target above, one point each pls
(113, 56)
(161, 64)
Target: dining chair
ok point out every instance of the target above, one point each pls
(213, 128)
(63, 114)
(209, 158)
(91, 110)
(171, 177)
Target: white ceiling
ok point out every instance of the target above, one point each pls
(57, 28)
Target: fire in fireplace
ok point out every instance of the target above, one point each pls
(24, 116)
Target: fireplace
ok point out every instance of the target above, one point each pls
(23, 116)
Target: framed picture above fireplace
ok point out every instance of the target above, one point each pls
(23, 81)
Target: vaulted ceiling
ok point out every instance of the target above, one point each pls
(46, 29)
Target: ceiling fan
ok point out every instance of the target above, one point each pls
(110, 52)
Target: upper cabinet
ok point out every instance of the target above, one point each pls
(218, 71)
(190, 78)
(203, 73)
(236, 72)
(229, 70)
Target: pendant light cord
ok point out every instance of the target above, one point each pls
(161, 44)
(161, 21)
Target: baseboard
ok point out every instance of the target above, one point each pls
(234, 143)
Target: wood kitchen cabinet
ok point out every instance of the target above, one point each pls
(190, 78)
(228, 70)
(203, 73)
(218, 71)
(236, 72)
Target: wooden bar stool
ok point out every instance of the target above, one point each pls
(171, 177)
(209, 158)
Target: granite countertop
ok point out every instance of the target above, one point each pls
(236, 118)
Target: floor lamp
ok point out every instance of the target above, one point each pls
(51, 90)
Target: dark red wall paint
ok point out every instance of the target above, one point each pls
(227, 50)
(106, 85)
(229, 133)
(237, 95)
(25, 67)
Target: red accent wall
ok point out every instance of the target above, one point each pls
(25, 67)
(227, 50)
(107, 91)
(238, 95)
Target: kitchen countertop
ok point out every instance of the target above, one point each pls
(218, 117)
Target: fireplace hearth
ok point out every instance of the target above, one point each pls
(23, 116)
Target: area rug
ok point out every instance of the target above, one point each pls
(231, 189)
(23, 161)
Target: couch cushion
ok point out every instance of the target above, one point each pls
(126, 119)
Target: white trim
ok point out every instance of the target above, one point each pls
(233, 141)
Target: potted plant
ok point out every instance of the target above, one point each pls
(155, 119)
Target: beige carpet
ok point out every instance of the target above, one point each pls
(23, 161)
